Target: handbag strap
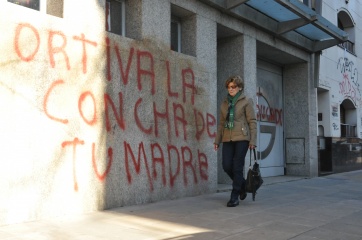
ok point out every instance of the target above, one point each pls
(254, 157)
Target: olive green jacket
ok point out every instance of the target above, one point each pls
(245, 125)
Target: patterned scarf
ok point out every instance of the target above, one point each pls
(230, 116)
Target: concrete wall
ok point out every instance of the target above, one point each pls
(300, 121)
(341, 71)
(339, 80)
(92, 120)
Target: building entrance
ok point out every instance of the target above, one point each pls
(270, 118)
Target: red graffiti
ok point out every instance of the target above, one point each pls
(145, 72)
(165, 115)
(18, 50)
(160, 159)
(158, 163)
(199, 121)
(199, 131)
(174, 116)
(80, 102)
(180, 119)
(211, 122)
(108, 52)
(124, 74)
(267, 114)
(347, 89)
(173, 174)
(101, 177)
(203, 165)
(145, 60)
(127, 151)
(54, 50)
(119, 117)
(185, 84)
(74, 144)
(200, 125)
(138, 119)
(46, 100)
(189, 164)
(84, 41)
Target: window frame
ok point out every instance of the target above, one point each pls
(346, 23)
(187, 29)
(176, 20)
(43, 7)
(108, 17)
(348, 128)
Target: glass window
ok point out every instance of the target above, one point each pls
(115, 16)
(33, 4)
(175, 35)
(183, 30)
(346, 23)
(51, 7)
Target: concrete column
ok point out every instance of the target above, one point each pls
(249, 65)
(236, 56)
(206, 44)
(156, 21)
(300, 121)
(206, 79)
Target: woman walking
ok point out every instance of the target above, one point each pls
(237, 131)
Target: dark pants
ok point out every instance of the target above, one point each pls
(233, 159)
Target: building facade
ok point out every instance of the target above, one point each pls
(112, 103)
(340, 92)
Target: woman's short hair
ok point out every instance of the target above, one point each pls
(237, 80)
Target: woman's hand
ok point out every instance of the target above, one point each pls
(216, 146)
(252, 146)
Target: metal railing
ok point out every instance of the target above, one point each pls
(348, 130)
(348, 45)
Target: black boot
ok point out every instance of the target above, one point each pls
(243, 194)
(233, 202)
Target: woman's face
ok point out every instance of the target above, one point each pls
(233, 89)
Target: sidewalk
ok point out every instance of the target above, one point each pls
(328, 207)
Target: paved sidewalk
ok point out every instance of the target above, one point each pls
(328, 207)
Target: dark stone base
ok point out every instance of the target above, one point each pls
(340, 155)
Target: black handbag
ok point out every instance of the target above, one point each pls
(253, 178)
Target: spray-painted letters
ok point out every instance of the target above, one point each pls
(184, 122)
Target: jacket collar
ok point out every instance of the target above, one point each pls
(242, 95)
